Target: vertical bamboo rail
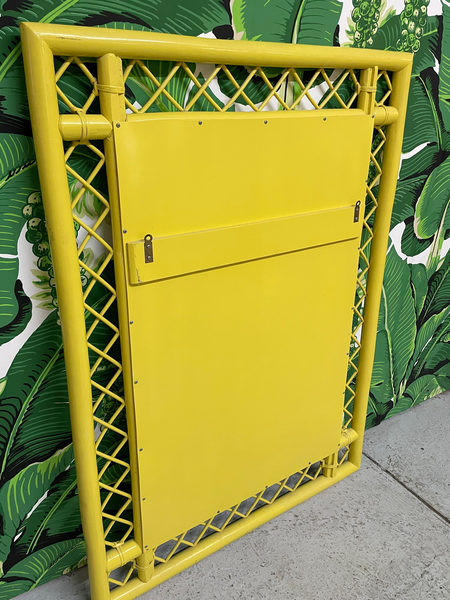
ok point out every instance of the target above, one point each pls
(57, 205)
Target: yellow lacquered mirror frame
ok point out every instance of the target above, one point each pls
(116, 54)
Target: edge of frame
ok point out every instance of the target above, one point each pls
(43, 41)
(65, 40)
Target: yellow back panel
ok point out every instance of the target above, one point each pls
(239, 344)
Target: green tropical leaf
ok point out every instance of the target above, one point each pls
(432, 214)
(411, 245)
(406, 195)
(444, 372)
(397, 317)
(318, 22)
(440, 353)
(424, 161)
(395, 336)
(274, 21)
(11, 589)
(14, 101)
(425, 341)
(422, 109)
(37, 386)
(22, 317)
(142, 87)
(57, 517)
(9, 305)
(22, 492)
(44, 565)
(381, 387)
(423, 388)
(430, 45)
(376, 413)
(15, 188)
(444, 67)
(437, 298)
(443, 381)
(387, 35)
(15, 152)
(390, 32)
(402, 404)
(419, 281)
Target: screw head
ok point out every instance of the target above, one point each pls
(143, 498)
(135, 381)
(140, 449)
(124, 231)
(324, 118)
(200, 122)
(117, 125)
(131, 322)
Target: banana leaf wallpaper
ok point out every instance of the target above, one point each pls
(40, 530)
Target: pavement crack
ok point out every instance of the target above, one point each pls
(443, 518)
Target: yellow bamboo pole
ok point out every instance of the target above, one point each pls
(386, 195)
(113, 108)
(67, 40)
(56, 198)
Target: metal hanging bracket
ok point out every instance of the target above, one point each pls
(148, 248)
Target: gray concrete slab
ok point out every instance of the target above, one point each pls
(414, 447)
(367, 538)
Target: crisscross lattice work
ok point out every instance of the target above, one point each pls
(78, 92)
(102, 337)
(91, 213)
(165, 86)
(218, 523)
(106, 369)
(384, 90)
(176, 87)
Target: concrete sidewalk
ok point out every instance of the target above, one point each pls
(383, 533)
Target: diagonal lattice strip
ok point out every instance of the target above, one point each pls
(165, 88)
(220, 521)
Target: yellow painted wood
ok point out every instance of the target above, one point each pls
(223, 357)
(267, 165)
(187, 253)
